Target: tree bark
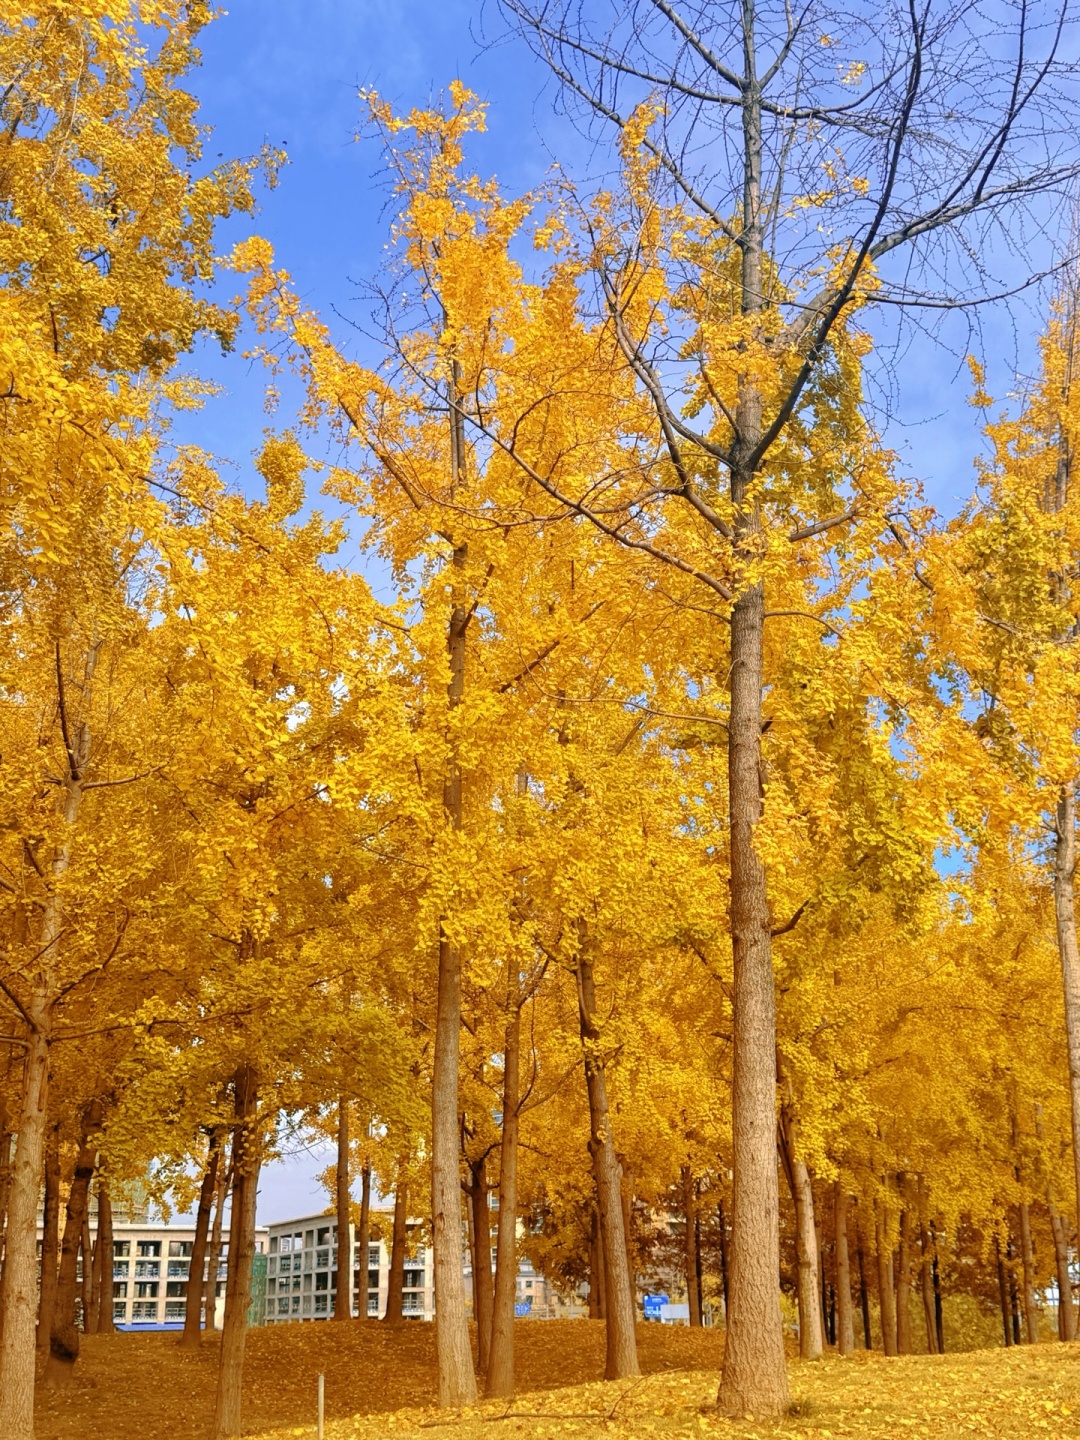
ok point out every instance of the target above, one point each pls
(363, 1241)
(193, 1308)
(480, 1233)
(64, 1335)
(457, 1380)
(903, 1285)
(690, 1247)
(224, 1181)
(500, 1374)
(597, 1289)
(88, 1285)
(621, 1349)
(104, 1247)
(721, 1220)
(245, 1170)
(1069, 954)
(864, 1297)
(811, 1342)
(1003, 1297)
(395, 1283)
(1066, 1309)
(886, 1297)
(939, 1321)
(50, 1243)
(1027, 1271)
(845, 1322)
(927, 1287)
(343, 1294)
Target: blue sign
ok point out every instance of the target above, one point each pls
(523, 1307)
(652, 1306)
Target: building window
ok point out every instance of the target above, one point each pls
(296, 1304)
(121, 1247)
(323, 1237)
(373, 1303)
(320, 1304)
(119, 1312)
(273, 1244)
(144, 1310)
(180, 1247)
(146, 1288)
(119, 1289)
(120, 1272)
(309, 1239)
(322, 1259)
(178, 1269)
(373, 1256)
(174, 1309)
(283, 1306)
(148, 1247)
(307, 1283)
(175, 1287)
(147, 1269)
(322, 1281)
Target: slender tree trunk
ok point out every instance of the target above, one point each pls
(245, 1168)
(626, 1191)
(939, 1321)
(1027, 1263)
(1066, 1309)
(1003, 1298)
(50, 1243)
(811, 1342)
(845, 1322)
(621, 1350)
(1069, 953)
(721, 1220)
(500, 1374)
(193, 1308)
(864, 1297)
(457, 1380)
(224, 1182)
(396, 1277)
(903, 1285)
(363, 1241)
(87, 1286)
(927, 1287)
(106, 1324)
(343, 1294)
(690, 1248)
(64, 1336)
(1014, 1299)
(886, 1297)
(480, 1231)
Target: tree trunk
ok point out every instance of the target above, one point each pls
(500, 1375)
(224, 1181)
(903, 1285)
(690, 1247)
(1014, 1299)
(927, 1286)
(457, 1380)
(64, 1336)
(245, 1168)
(886, 1297)
(480, 1231)
(621, 1350)
(1003, 1297)
(396, 1277)
(193, 1308)
(939, 1322)
(1066, 1309)
(1069, 954)
(1027, 1263)
(363, 1241)
(88, 1285)
(845, 1321)
(864, 1297)
(811, 1342)
(104, 1247)
(626, 1192)
(19, 1281)
(50, 1243)
(343, 1294)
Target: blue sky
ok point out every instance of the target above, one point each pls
(288, 72)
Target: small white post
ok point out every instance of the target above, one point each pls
(322, 1403)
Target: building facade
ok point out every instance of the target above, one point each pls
(302, 1265)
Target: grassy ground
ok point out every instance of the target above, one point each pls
(380, 1386)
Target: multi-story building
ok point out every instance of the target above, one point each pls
(302, 1264)
(151, 1264)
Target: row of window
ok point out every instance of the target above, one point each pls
(302, 1305)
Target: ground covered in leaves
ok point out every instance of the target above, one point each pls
(380, 1383)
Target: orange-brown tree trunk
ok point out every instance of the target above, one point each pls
(343, 1293)
(63, 1335)
(196, 1278)
(500, 1374)
(363, 1241)
(396, 1277)
(1066, 1309)
(50, 1243)
(886, 1294)
(1027, 1275)
(104, 1249)
(811, 1338)
(903, 1285)
(480, 1235)
(690, 1245)
(224, 1184)
(845, 1320)
(245, 1168)
(88, 1284)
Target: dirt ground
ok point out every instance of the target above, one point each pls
(144, 1387)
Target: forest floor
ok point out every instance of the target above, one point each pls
(380, 1386)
